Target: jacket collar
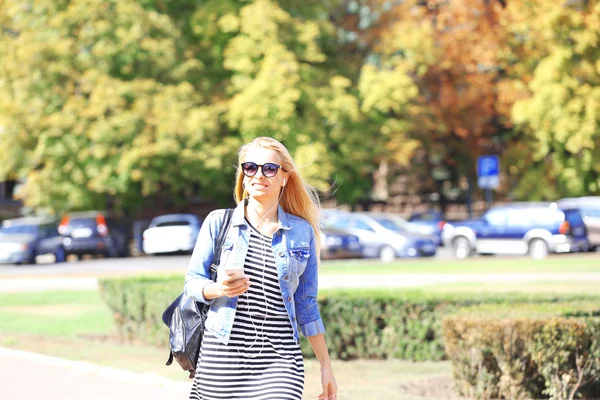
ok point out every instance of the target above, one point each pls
(284, 222)
(238, 216)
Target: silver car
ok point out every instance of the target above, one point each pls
(384, 235)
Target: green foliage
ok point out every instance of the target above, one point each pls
(359, 324)
(562, 111)
(108, 102)
(495, 357)
(124, 99)
(138, 304)
(97, 102)
(571, 364)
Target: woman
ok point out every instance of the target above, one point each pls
(266, 286)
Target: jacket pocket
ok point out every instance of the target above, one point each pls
(298, 260)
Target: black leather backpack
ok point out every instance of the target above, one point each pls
(185, 317)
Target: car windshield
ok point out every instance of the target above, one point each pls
(83, 223)
(19, 230)
(573, 217)
(393, 224)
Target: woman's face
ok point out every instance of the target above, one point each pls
(260, 186)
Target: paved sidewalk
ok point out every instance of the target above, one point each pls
(30, 376)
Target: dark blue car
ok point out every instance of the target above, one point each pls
(23, 239)
(337, 243)
(429, 223)
(519, 228)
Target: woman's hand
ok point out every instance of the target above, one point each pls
(329, 384)
(229, 285)
(232, 285)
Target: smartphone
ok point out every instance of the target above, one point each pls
(235, 273)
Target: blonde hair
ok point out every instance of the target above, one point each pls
(298, 198)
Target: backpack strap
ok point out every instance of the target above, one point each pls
(225, 224)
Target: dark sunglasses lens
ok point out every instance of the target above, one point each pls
(269, 170)
(249, 168)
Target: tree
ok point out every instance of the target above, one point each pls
(102, 99)
(451, 52)
(292, 80)
(106, 101)
(560, 112)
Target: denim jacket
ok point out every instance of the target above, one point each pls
(294, 247)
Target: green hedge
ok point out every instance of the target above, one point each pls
(367, 324)
(525, 357)
(138, 304)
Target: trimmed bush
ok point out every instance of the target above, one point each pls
(138, 304)
(367, 324)
(527, 357)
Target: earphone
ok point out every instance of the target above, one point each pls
(284, 181)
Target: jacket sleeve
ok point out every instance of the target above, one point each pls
(198, 273)
(305, 298)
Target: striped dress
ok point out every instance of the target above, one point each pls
(262, 359)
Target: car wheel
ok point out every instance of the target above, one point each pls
(60, 255)
(32, 256)
(112, 252)
(124, 252)
(387, 254)
(538, 249)
(461, 247)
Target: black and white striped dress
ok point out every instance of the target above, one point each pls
(262, 359)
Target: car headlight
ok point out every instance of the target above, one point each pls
(334, 241)
(14, 247)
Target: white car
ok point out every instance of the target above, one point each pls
(171, 233)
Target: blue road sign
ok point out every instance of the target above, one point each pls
(488, 172)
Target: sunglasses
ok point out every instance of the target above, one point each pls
(269, 170)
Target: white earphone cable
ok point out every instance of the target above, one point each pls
(264, 267)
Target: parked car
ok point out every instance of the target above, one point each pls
(429, 223)
(590, 212)
(171, 233)
(23, 239)
(383, 235)
(95, 233)
(337, 243)
(519, 228)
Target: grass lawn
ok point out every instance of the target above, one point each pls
(78, 326)
(557, 263)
